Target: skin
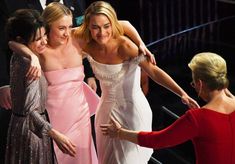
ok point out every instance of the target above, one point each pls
(38, 46)
(221, 101)
(106, 49)
(5, 97)
(63, 51)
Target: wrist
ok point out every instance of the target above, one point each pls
(52, 133)
(120, 133)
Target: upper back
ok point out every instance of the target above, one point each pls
(223, 104)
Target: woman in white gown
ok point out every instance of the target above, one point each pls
(122, 97)
(115, 62)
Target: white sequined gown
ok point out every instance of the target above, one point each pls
(122, 98)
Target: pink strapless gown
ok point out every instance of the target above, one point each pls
(70, 103)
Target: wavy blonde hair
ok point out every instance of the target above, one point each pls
(95, 8)
(210, 68)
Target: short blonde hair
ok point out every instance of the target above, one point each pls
(95, 8)
(210, 68)
(53, 12)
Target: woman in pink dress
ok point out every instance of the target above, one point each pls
(70, 102)
(29, 131)
(67, 104)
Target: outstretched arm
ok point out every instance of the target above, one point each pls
(114, 130)
(128, 48)
(163, 79)
(181, 130)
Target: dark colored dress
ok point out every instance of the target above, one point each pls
(212, 133)
(28, 141)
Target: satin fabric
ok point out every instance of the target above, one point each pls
(70, 103)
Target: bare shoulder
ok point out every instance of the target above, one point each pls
(77, 39)
(127, 47)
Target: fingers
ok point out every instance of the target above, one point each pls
(115, 123)
(71, 149)
(8, 102)
(33, 73)
(152, 59)
(143, 49)
(5, 98)
(68, 148)
(191, 103)
(5, 103)
(105, 129)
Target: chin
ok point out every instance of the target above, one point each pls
(103, 42)
(41, 50)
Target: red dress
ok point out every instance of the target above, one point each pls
(212, 133)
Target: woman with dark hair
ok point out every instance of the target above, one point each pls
(29, 130)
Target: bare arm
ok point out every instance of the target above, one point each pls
(34, 71)
(133, 34)
(144, 82)
(63, 142)
(163, 79)
(115, 130)
(21, 49)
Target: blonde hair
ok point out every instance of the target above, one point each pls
(53, 12)
(95, 8)
(210, 68)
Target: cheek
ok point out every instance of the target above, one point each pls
(92, 31)
(37, 47)
(54, 34)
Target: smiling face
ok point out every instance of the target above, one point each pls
(38, 45)
(100, 28)
(60, 30)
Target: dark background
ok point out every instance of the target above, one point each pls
(174, 31)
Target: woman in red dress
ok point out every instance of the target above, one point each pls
(211, 127)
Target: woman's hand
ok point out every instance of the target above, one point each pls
(63, 142)
(143, 49)
(92, 83)
(112, 129)
(189, 101)
(5, 97)
(34, 71)
(228, 93)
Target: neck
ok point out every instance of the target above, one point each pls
(214, 95)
